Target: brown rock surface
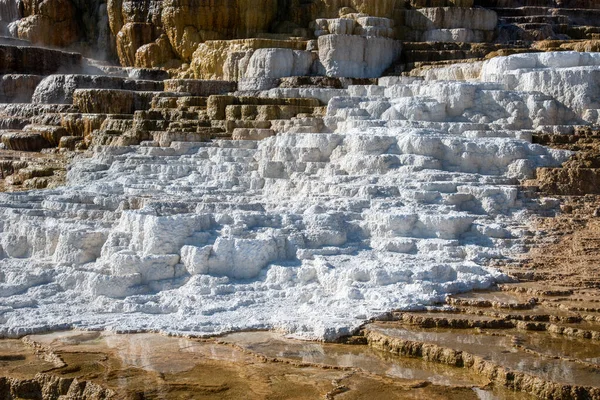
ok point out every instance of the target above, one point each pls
(104, 101)
(35, 60)
(253, 365)
(187, 22)
(24, 141)
(18, 88)
(49, 22)
(199, 87)
(169, 33)
(156, 54)
(130, 38)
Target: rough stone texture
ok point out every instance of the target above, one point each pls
(457, 35)
(377, 8)
(199, 87)
(24, 141)
(228, 60)
(48, 22)
(571, 77)
(217, 105)
(252, 134)
(18, 88)
(188, 22)
(35, 60)
(356, 24)
(104, 101)
(357, 56)
(354, 203)
(167, 34)
(441, 3)
(58, 89)
(82, 125)
(75, 24)
(465, 71)
(156, 54)
(130, 38)
(51, 134)
(279, 63)
(48, 386)
(451, 18)
(450, 24)
(516, 380)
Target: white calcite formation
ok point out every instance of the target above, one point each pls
(408, 198)
(572, 78)
(352, 56)
(356, 46)
(279, 63)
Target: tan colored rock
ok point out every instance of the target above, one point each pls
(69, 142)
(463, 71)
(82, 125)
(252, 134)
(42, 30)
(377, 8)
(117, 123)
(156, 54)
(24, 141)
(134, 24)
(566, 45)
(188, 23)
(104, 101)
(199, 87)
(121, 12)
(115, 16)
(164, 139)
(220, 59)
(130, 38)
(264, 112)
(58, 10)
(217, 105)
(52, 134)
(49, 22)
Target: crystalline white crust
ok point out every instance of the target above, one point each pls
(312, 234)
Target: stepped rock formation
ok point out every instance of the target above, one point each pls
(374, 196)
(300, 166)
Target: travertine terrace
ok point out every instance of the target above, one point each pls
(303, 167)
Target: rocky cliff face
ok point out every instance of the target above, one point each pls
(178, 33)
(172, 33)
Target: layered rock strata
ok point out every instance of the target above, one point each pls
(172, 34)
(390, 196)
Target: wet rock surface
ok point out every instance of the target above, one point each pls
(253, 365)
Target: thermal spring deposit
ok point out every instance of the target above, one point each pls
(401, 193)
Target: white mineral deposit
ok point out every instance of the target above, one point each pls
(408, 197)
